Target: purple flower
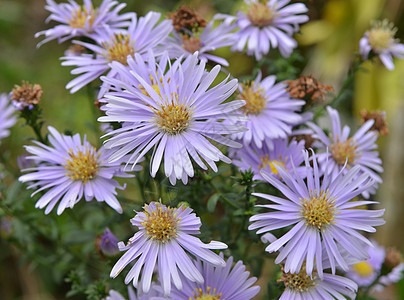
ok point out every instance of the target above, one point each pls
(225, 282)
(83, 20)
(320, 216)
(302, 286)
(288, 155)
(7, 117)
(364, 273)
(164, 239)
(392, 277)
(380, 40)
(209, 39)
(357, 150)
(142, 35)
(71, 169)
(268, 23)
(271, 111)
(108, 243)
(172, 109)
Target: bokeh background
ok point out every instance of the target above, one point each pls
(326, 43)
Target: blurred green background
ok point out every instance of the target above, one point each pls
(327, 44)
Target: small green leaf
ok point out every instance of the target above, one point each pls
(212, 202)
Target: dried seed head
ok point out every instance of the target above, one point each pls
(309, 88)
(26, 95)
(186, 20)
(380, 120)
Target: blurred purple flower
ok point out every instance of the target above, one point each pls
(380, 40)
(270, 110)
(345, 152)
(268, 23)
(108, 243)
(83, 20)
(142, 35)
(7, 117)
(284, 153)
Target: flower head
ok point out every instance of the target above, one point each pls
(356, 150)
(364, 273)
(380, 40)
(107, 243)
(71, 169)
(320, 216)
(302, 286)
(173, 111)
(165, 240)
(7, 117)
(271, 111)
(220, 282)
(83, 20)
(202, 39)
(288, 155)
(268, 24)
(26, 95)
(142, 35)
(309, 88)
(379, 117)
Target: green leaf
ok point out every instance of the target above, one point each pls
(212, 202)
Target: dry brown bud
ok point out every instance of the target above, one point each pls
(393, 258)
(308, 139)
(27, 94)
(185, 19)
(380, 120)
(308, 87)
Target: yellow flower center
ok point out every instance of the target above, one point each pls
(254, 98)
(119, 48)
(319, 211)
(191, 44)
(363, 269)
(82, 165)
(80, 16)
(300, 282)
(260, 14)
(209, 295)
(161, 225)
(343, 151)
(265, 162)
(382, 35)
(173, 118)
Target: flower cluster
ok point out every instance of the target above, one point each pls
(171, 111)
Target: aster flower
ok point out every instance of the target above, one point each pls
(165, 240)
(7, 119)
(392, 269)
(302, 286)
(172, 111)
(357, 150)
(83, 20)
(364, 273)
(226, 282)
(271, 111)
(320, 216)
(268, 24)
(380, 40)
(289, 155)
(26, 96)
(107, 243)
(71, 169)
(142, 35)
(186, 42)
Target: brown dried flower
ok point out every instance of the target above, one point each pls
(26, 95)
(308, 87)
(308, 139)
(393, 258)
(380, 120)
(185, 19)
